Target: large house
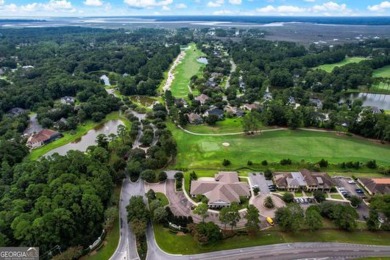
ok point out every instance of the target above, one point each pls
(221, 191)
(202, 98)
(303, 180)
(376, 185)
(43, 137)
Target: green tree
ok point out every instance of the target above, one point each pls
(313, 219)
(290, 218)
(230, 215)
(319, 196)
(136, 210)
(252, 220)
(372, 221)
(148, 175)
(268, 174)
(288, 197)
(355, 201)
(162, 176)
(268, 203)
(206, 233)
(151, 195)
(202, 211)
(139, 227)
(160, 215)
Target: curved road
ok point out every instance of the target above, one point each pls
(277, 251)
(127, 248)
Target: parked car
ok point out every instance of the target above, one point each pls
(351, 182)
(359, 191)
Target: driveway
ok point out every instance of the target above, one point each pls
(259, 180)
(179, 204)
(258, 202)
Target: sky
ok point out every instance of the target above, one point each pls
(48, 8)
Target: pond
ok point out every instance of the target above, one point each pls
(89, 138)
(374, 100)
(106, 80)
(143, 100)
(203, 60)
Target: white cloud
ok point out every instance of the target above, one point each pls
(1, 2)
(181, 6)
(56, 6)
(223, 12)
(379, 7)
(310, 1)
(216, 3)
(147, 3)
(93, 2)
(283, 9)
(166, 8)
(235, 2)
(330, 6)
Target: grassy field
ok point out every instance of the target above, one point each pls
(229, 125)
(197, 152)
(112, 239)
(162, 198)
(185, 70)
(330, 67)
(382, 72)
(185, 244)
(70, 137)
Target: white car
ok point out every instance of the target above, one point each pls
(351, 182)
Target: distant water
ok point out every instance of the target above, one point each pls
(383, 20)
(209, 20)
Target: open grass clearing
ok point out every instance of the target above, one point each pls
(383, 72)
(330, 67)
(162, 198)
(185, 244)
(229, 125)
(197, 152)
(336, 196)
(71, 136)
(112, 238)
(188, 67)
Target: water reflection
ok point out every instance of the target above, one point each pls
(81, 144)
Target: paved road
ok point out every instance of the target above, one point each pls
(127, 248)
(277, 252)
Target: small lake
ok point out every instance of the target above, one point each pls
(203, 60)
(106, 80)
(143, 100)
(374, 100)
(89, 138)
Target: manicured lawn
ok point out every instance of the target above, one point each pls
(197, 152)
(336, 196)
(330, 67)
(162, 198)
(70, 137)
(188, 67)
(229, 125)
(383, 72)
(185, 244)
(112, 239)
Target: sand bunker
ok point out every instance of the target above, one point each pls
(226, 144)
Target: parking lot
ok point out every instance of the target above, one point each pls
(347, 187)
(258, 180)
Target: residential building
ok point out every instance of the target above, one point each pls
(303, 180)
(221, 191)
(68, 100)
(43, 137)
(16, 111)
(214, 111)
(195, 119)
(202, 98)
(376, 185)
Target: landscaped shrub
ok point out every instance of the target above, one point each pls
(268, 203)
(226, 162)
(249, 163)
(268, 174)
(264, 163)
(288, 197)
(371, 164)
(285, 162)
(323, 163)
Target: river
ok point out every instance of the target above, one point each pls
(89, 138)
